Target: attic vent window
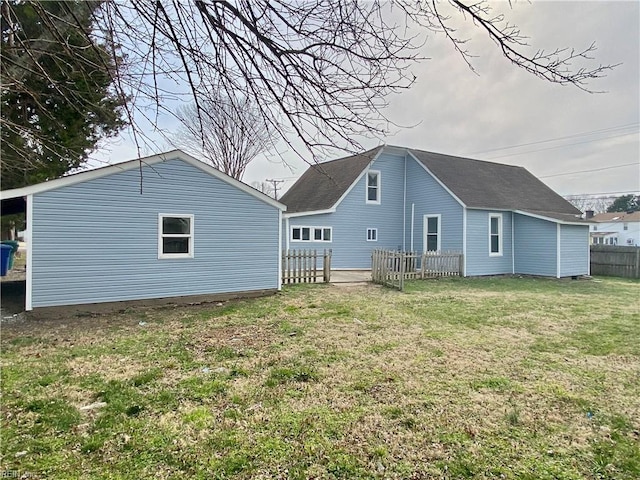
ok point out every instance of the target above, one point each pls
(373, 187)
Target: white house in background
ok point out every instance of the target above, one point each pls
(618, 228)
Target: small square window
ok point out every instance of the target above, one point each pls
(372, 234)
(175, 236)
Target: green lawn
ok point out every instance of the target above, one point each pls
(457, 378)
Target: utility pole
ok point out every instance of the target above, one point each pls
(275, 183)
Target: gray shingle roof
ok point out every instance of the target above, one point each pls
(481, 184)
(477, 183)
(322, 185)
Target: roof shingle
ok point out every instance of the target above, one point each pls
(477, 183)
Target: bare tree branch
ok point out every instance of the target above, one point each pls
(318, 73)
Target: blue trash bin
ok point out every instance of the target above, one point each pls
(14, 249)
(5, 254)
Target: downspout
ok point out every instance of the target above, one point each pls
(29, 240)
(404, 207)
(413, 210)
(286, 233)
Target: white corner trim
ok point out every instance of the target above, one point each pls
(279, 251)
(29, 241)
(558, 250)
(464, 241)
(513, 244)
(437, 179)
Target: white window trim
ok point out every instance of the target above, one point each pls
(379, 187)
(311, 234)
(190, 236)
(500, 251)
(369, 239)
(425, 226)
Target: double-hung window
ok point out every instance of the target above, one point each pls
(431, 233)
(373, 187)
(495, 234)
(175, 236)
(311, 234)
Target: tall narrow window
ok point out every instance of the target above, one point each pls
(495, 234)
(372, 234)
(373, 186)
(431, 233)
(175, 236)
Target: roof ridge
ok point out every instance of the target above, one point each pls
(462, 158)
(350, 156)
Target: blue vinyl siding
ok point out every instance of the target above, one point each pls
(430, 198)
(353, 216)
(574, 250)
(478, 260)
(535, 246)
(97, 241)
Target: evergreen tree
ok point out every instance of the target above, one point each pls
(55, 115)
(625, 203)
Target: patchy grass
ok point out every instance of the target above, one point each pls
(456, 378)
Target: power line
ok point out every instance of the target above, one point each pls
(275, 183)
(624, 192)
(592, 170)
(562, 146)
(583, 134)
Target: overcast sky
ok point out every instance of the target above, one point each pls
(503, 114)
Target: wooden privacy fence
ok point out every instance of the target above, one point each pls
(615, 261)
(392, 268)
(301, 266)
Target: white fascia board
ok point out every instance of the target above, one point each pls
(436, 179)
(135, 163)
(310, 212)
(550, 219)
(355, 182)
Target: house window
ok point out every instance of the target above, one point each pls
(175, 236)
(372, 234)
(495, 234)
(595, 228)
(431, 233)
(625, 226)
(373, 186)
(311, 234)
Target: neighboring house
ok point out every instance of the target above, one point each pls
(618, 228)
(159, 227)
(501, 217)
